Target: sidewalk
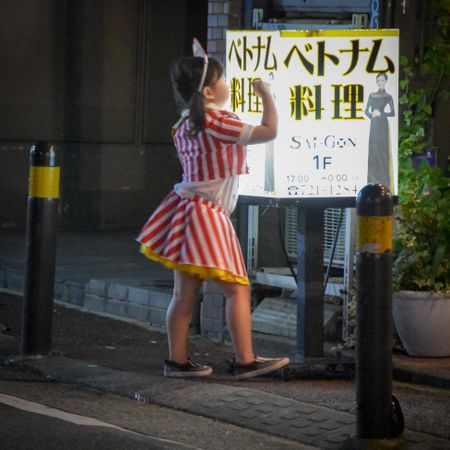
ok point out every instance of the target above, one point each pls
(105, 273)
(125, 357)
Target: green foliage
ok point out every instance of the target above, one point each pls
(422, 242)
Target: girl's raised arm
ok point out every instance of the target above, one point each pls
(268, 129)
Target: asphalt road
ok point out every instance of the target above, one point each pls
(25, 430)
(36, 414)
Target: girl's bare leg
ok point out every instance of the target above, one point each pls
(179, 313)
(239, 320)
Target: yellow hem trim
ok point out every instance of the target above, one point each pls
(202, 272)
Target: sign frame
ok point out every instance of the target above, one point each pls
(323, 200)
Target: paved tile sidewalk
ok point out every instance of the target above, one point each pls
(308, 424)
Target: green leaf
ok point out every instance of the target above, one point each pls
(438, 257)
(422, 233)
(403, 100)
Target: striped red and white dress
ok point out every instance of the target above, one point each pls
(191, 229)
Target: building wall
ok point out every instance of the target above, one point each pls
(222, 15)
(232, 14)
(92, 78)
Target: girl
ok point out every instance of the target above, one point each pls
(191, 231)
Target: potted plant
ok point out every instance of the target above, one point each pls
(421, 303)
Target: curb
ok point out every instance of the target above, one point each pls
(260, 411)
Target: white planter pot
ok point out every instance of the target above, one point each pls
(422, 320)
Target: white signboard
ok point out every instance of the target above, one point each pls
(337, 98)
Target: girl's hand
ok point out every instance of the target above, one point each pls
(376, 113)
(261, 88)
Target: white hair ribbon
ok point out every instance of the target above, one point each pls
(199, 52)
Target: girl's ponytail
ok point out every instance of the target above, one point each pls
(186, 74)
(197, 113)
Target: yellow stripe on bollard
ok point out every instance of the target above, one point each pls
(375, 234)
(44, 182)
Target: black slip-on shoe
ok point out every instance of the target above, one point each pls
(259, 366)
(187, 370)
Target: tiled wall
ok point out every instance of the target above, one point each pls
(222, 15)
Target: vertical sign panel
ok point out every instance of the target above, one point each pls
(337, 97)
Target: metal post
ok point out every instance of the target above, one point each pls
(310, 283)
(374, 207)
(349, 267)
(252, 239)
(42, 215)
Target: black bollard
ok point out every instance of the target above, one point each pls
(374, 206)
(42, 221)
